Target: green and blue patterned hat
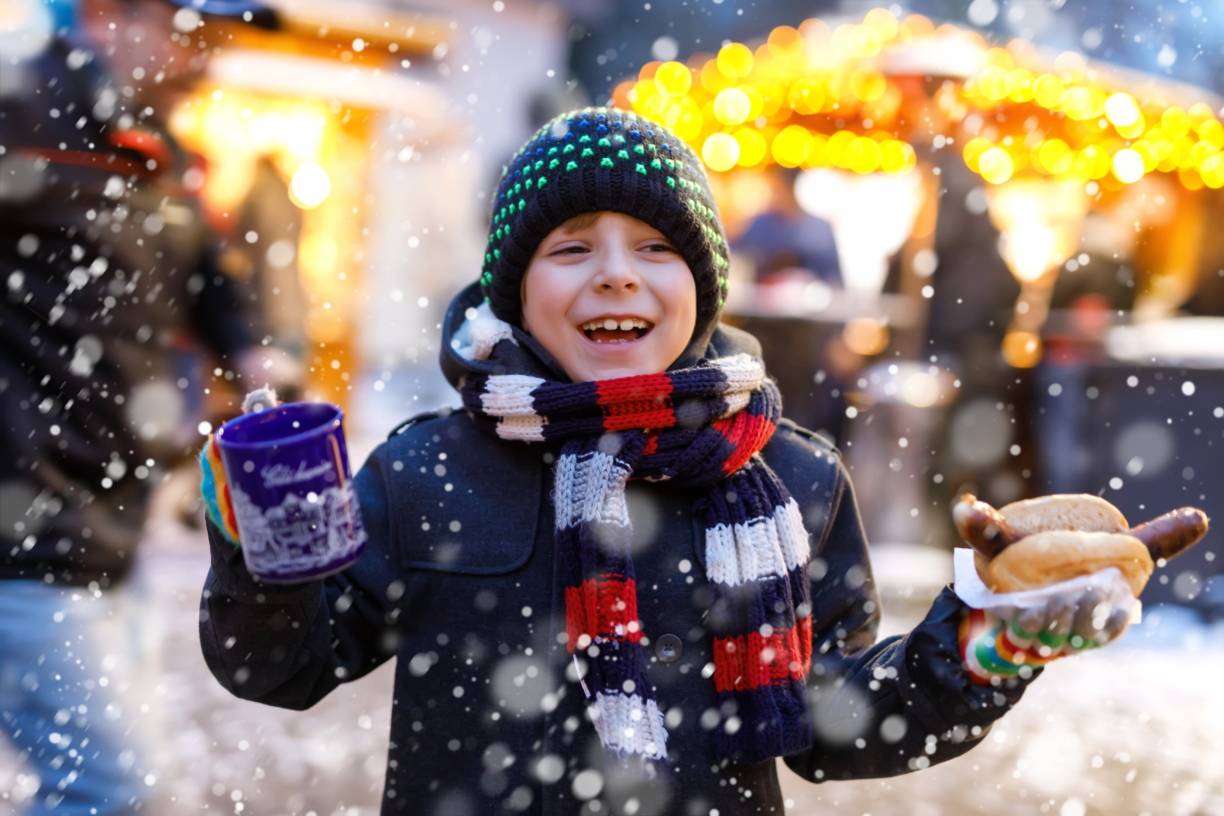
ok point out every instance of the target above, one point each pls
(604, 159)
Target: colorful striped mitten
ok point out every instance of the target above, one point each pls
(216, 492)
(214, 486)
(991, 648)
(997, 643)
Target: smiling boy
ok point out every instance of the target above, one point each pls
(619, 581)
(609, 296)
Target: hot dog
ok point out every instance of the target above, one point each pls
(1035, 542)
(1173, 533)
(982, 526)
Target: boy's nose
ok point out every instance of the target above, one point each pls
(617, 272)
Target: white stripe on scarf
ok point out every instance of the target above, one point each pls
(508, 397)
(744, 372)
(522, 428)
(626, 722)
(759, 548)
(590, 488)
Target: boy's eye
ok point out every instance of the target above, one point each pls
(568, 250)
(660, 247)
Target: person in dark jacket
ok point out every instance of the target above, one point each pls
(617, 581)
(109, 280)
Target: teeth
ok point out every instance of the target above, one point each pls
(612, 324)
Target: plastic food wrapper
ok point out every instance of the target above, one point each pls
(970, 588)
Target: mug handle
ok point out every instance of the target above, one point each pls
(339, 459)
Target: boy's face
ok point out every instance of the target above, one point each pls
(603, 269)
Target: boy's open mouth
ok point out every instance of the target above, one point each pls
(616, 329)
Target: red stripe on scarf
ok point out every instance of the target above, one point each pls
(652, 445)
(741, 664)
(643, 401)
(747, 434)
(597, 606)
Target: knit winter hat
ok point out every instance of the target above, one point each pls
(604, 159)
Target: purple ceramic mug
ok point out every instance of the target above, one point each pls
(289, 479)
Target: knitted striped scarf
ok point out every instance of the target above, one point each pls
(702, 427)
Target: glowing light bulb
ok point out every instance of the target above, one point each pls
(790, 146)
(752, 146)
(1127, 166)
(996, 165)
(1022, 349)
(674, 78)
(732, 106)
(1054, 156)
(735, 60)
(309, 186)
(1121, 110)
(720, 152)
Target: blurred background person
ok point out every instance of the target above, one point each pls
(112, 283)
(784, 241)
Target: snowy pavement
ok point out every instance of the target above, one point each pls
(1137, 728)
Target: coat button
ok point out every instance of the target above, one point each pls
(668, 648)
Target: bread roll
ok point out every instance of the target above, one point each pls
(1051, 556)
(1065, 511)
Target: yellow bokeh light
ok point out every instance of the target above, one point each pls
(1079, 103)
(1199, 112)
(883, 22)
(735, 60)
(769, 102)
(785, 37)
(790, 147)
(897, 156)
(996, 165)
(641, 93)
(1121, 110)
(688, 123)
(1054, 157)
(1147, 152)
(1190, 179)
(806, 96)
(992, 83)
(1212, 171)
(1211, 132)
(1092, 162)
(732, 106)
(1047, 91)
(711, 79)
(309, 186)
(973, 150)
(837, 146)
(818, 152)
(868, 86)
(866, 336)
(1196, 154)
(752, 146)
(1021, 349)
(1133, 131)
(720, 152)
(1021, 85)
(863, 155)
(1127, 166)
(674, 78)
(1174, 122)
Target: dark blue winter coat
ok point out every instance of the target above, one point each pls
(458, 583)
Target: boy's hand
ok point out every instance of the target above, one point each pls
(214, 487)
(998, 642)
